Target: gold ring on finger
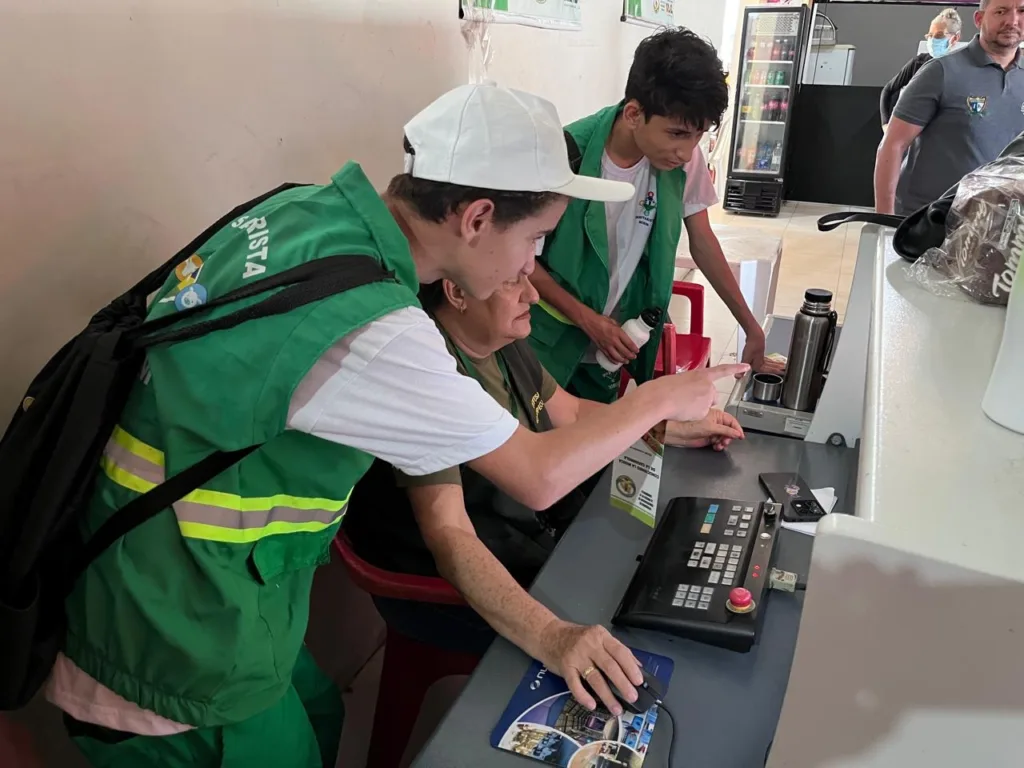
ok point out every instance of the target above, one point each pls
(588, 672)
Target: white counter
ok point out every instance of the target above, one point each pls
(933, 467)
(912, 633)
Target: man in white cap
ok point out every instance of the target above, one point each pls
(184, 645)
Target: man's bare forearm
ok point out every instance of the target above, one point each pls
(559, 298)
(887, 173)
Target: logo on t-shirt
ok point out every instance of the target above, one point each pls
(648, 206)
(976, 105)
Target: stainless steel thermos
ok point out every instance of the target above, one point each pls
(810, 351)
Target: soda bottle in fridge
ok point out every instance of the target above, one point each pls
(784, 107)
(756, 107)
(777, 50)
(777, 156)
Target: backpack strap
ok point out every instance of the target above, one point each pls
(148, 505)
(305, 283)
(156, 278)
(575, 155)
(832, 220)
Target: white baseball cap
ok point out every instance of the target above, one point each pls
(490, 137)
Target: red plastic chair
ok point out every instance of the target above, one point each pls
(410, 667)
(681, 351)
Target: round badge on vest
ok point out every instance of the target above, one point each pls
(190, 297)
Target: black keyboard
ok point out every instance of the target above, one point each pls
(701, 551)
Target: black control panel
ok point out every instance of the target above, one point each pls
(705, 572)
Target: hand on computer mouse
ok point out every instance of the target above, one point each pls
(573, 650)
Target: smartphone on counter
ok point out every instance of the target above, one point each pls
(794, 494)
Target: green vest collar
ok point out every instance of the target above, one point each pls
(392, 246)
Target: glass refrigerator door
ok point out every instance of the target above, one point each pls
(767, 78)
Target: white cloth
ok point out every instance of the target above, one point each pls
(629, 224)
(390, 389)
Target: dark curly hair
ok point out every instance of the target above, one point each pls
(677, 74)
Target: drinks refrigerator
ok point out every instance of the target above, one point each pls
(772, 49)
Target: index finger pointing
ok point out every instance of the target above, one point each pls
(716, 372)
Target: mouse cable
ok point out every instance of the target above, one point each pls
(672, 741)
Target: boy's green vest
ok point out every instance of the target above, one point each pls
(199, 614)
(576, 255)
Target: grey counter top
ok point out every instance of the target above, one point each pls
(726, 704)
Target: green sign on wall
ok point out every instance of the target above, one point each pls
(554, 14)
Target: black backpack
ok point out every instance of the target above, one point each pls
(52, 447)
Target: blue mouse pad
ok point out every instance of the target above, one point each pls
(544, 722)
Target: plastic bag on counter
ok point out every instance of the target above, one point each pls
(978, 260)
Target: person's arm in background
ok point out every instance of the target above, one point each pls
(718, 429)
(917, 106)
(698, 196)
(603, 331)
(710, 259)
(891, 90)
(565, 648)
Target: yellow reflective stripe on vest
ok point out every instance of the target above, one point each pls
(136, 447)
(554, 312)
(214, 515)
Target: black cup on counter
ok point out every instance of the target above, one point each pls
(766, 388)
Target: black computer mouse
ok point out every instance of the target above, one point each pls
(647, 695)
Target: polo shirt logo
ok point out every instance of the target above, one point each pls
(976, 105)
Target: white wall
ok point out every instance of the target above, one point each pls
(126, 126)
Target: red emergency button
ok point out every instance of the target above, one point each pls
(740, 600)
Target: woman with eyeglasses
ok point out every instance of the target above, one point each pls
(943, 34)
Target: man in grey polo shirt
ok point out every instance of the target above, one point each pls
(957, 114)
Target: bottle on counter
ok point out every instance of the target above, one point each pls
(639, 331)
(810, 351)
(1004, 397)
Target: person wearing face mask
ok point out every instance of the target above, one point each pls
(392, 521)
(957, 114)
(606, 264)
(943, 35)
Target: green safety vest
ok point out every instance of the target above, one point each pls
(199, 614)
(576, 255)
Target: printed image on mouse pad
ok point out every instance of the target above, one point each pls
(544, 722)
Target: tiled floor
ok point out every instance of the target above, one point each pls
(810, 259)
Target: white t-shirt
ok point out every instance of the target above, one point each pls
(629, 224)
(391, 389)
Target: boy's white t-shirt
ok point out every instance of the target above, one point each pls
(629, 223)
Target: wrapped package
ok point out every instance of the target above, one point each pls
(984, 241)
